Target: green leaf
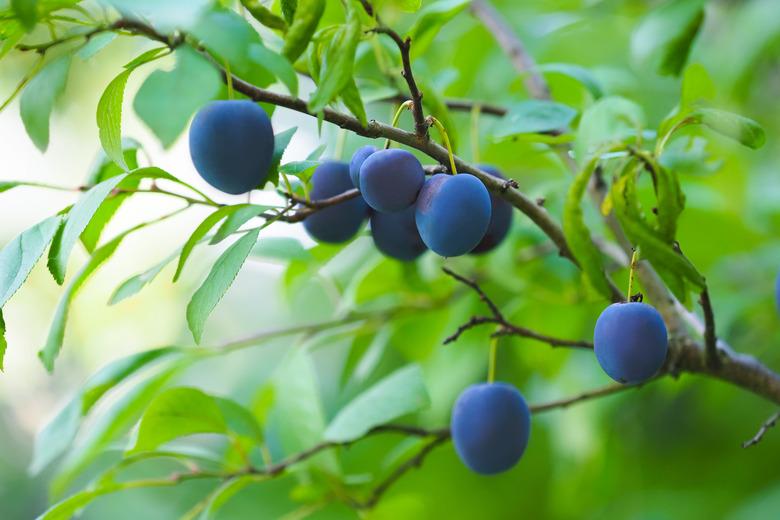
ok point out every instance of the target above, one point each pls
(75, 223)
(239, 420)
(302, 26)
(697, 86)
(218, 282)
(301, 169)
(96, 44)
(175, 413)
(242, 214)
(534, 116)
(438, 109)
(578, 235)
(338, 60)
(281, 141)
(219, 497)
(288, 9)
(429, 22)
(277, 65)
(665, 36)
(736, 127)
(57, 435)
(351, 98)
(581, 74)
(167, 99)
(134, 284)
(20, 255)
(38, 99)
(3, 341)
(281, 248)
(26, 11)
(398, 394)
(264, 15)
(68, 508)
(611, 119)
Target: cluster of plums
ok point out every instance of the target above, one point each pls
(232, 144)
(490, 422)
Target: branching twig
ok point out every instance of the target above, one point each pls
(710, 338)
(769, 423)
(505, 328)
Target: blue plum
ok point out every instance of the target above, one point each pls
(391, 179)
(500, 219)
(232, 145)
(396, 235)
(338, 223)
(453, 213)
(630, 341)
(490, 427)
(358, 158)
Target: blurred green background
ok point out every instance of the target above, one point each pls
(667, 451)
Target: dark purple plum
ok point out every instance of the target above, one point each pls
(452, 213)
(358, 158)
(500, 219)
(232, 145)
(338, 223)
(490, 427)
(396, 235)
(630, 341)
(391, 179)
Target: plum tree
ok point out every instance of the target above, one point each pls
(232, 145)
(340, 222)
(490, 427)
(358, 158)
(391, 179)
(396, 234)
(453, 213)
(500, 218)
(630, 341)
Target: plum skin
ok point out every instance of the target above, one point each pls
(391, 179)
(358, 158)
(500, 219)
(340, 222)
(452, 213)
(396, 235)
(232, 145)
(490, 427)
(630, 342)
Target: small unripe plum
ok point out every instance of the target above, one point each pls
(453, 213)
(396, 235)
(358, 158)
(630, 341)
(340, 222)
(391, 179)
(490, 427)
(232, 145)
(500, 218)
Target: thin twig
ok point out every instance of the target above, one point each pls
(710, 337)
(769, 423)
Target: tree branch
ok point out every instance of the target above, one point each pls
(710, 339)
(769, 423)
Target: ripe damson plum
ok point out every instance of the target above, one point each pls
(358, 158)
(630, 341)
(500, 219)
(396, 235)
(232, 145)
(452, 213)
(338, 223)
(490, 427)
(391, 179)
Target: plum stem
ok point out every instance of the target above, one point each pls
(440, 127)
(631, 270)
(492, 359)
(406, 105)
(229, 82)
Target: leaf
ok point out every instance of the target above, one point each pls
(38, 99)
(581, 74)
(95, 44)
(438, 109)
(53, 344)
(429, 22)
(281, 141)
(57, 435)
(611, 119)
(697, 86)
(167, 99)
(75, 223)
(3, 341)
(134, 284)
(398, 394)
(734, 126)
(351, 98)
(281, 248)
(578, 235)
(665, 36)
(218, 282)
(26, 11)
(239, 420)
(302, 26)
(301, 169)
(175, 413)
(277, 65)
(338, 60)
(264, 15)
(534, 116)
(242, 214)
(20, 255)
(288, 9)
